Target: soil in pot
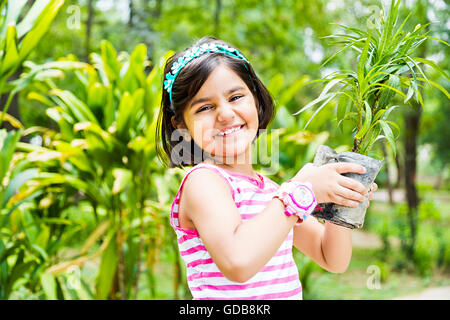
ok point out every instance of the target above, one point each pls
(341, 215)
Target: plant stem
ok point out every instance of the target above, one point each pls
(141, 236)
(356, 145)
(5, 109)
(121, 266)
(356, 141)
(150, 267)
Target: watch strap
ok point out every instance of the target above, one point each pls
(298, 198)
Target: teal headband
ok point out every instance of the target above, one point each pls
(192, 54)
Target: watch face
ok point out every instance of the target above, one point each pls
(303, 196)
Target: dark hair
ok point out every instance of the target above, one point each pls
(187, 84)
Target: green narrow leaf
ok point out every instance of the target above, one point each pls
(419, 97)
(122, 178)
(110, 107)
(388, 111)
(49, 285)
(413, 81)
(110, 62)
(10, 14)
(107, 270)
(418, 68)
(388, 27)
(77, 107)
(363, 59)
(125, 107)
(314, 102)
(320, 108)
(134, 78)
(10, 61)
(16, 182)
(393, 124)
(354, 30)
(12, 121)
(8, 142)
(409, 94)
(387, 94)
(96, 95)
(33, 37)
(4, 270)
(102, 138)
(388, 87)
(436, 39)
(27, 23)
(128, 108)
(59, 290)
(434, 65)
(20, 267)
(87, 289)
(371, 141)
(4, 221)
(41, 98)
(389, 135)
(377, 116)
(341, 110)
(339, 51)
(329, 85)
(94, 236)
(367, 122)
(399, 29)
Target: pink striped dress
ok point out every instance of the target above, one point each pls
(278, 279)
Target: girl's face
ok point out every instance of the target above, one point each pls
(222, 117)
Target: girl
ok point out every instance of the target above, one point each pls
(235, 227)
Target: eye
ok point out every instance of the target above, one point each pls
(236, 97)
(203, 108)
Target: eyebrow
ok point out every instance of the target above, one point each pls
(205, 99)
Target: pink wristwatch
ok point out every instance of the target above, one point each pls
(298, 198)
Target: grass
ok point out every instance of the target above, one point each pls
(399, 277)
(357, 282)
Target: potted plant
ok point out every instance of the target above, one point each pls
(386, 67)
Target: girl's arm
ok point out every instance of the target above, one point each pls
(329, 245)
(240, 249)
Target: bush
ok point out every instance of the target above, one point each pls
(383, 226)
(444, 247)
(306, 267)
(400, 224)
(385, 270)
(426, 251)
(429, 211)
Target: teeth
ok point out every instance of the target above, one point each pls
(229, 131)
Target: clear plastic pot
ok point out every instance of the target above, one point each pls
(341, 215)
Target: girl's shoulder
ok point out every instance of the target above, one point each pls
(207, 168)
(204, 176)
(210, 167)
(235, 181)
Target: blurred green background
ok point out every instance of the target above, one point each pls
(84, 200)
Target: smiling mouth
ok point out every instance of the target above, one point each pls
(230, 131)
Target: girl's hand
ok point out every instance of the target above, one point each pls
(330, 186)
(373, 188)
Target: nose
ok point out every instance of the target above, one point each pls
(225, 113)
